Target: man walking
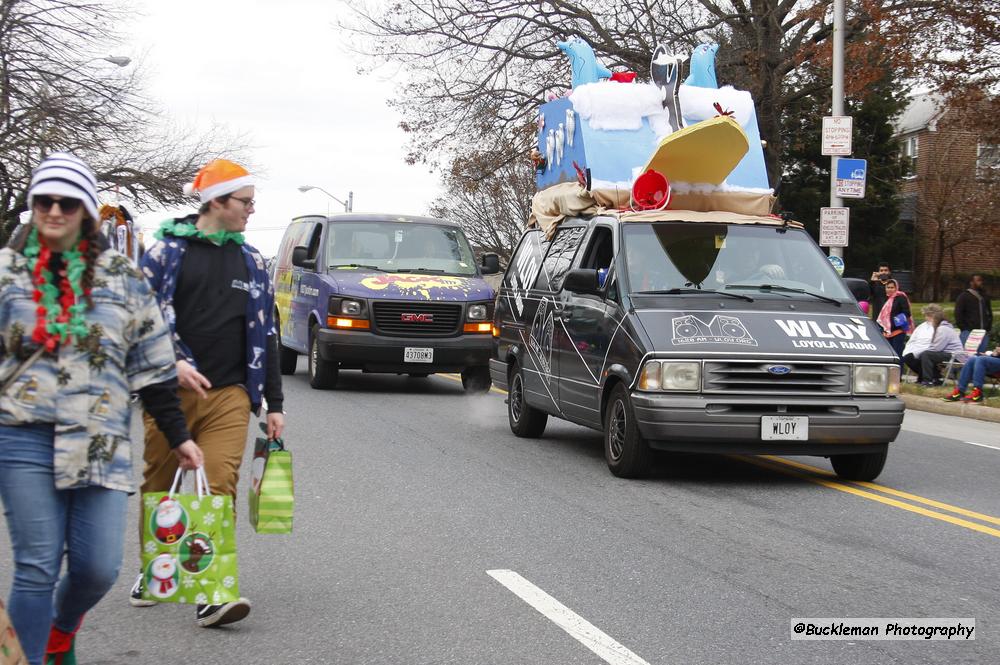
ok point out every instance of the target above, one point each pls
(216, 298)
(878, 280)
(974, 310)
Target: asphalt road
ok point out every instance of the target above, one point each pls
(409, 491)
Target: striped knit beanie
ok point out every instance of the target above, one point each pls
(63, 174)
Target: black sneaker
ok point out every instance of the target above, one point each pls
(135, 595)
(220, 615)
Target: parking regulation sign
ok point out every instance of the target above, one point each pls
(837, 134)
(834, 227)
(851, 176)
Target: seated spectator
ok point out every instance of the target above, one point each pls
(933, 342)
(975, 370)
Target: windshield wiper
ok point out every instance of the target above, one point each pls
(419, 270)
(357, 265)
(775, 287)
(676, 291)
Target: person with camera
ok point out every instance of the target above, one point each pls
(878, 280)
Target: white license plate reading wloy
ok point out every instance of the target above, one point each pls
(418, 354)
(784, 428)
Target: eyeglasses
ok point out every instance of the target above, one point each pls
(67, 205)
(246, 202)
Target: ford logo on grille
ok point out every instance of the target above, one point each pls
(779, 370)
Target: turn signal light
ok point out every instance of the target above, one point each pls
(496, 331)
(477, 327)
(356, 324)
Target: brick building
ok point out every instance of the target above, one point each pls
(951, 198)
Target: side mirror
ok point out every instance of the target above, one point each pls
(490, 264)
(582, 280)
(859, 288)
(299, 259)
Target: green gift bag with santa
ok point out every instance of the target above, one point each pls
(189, 546)
(272, 492)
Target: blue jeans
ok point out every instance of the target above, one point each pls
(964, 335)
(88, 524)
(975, 369)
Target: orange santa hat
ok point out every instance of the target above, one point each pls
(218, 178)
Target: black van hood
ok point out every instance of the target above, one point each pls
(747, 333)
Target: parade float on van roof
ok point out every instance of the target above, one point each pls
(645, 149)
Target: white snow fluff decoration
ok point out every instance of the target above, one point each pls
(609, 105)
(698, 103)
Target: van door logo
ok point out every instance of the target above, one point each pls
(720, 330)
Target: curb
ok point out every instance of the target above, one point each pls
(936, 405)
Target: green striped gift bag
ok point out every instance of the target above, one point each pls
(272, 492)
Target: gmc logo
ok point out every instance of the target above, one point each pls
(416, 318)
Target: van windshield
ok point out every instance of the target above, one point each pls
(400, 247)
(759, 261)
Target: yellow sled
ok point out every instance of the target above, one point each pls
(705, 152)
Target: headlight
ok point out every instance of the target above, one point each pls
(350, 307)
(477, 313)
(876, 380)
(667, 375)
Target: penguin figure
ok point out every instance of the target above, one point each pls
(664, 70)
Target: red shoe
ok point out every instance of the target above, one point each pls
(61, 648)
(975, 397)
(955, 396)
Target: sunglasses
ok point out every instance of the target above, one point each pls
(67, 205)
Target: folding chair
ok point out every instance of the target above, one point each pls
(971, 346)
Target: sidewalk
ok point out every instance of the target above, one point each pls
(937, 405)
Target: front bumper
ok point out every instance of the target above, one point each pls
(732, 424)
(357, 349)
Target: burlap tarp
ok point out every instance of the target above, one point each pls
(569, 199)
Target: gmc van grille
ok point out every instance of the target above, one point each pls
(753, 378)
(410, 319)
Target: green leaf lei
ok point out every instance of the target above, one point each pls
(183, 229)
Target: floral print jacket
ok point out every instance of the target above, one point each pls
(84, 388)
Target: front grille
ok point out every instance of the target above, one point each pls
(389, 318)
(753, 378)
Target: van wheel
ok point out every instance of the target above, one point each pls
(626, 452)
(288, 359)
(525, 421)
(860, 466)
(476, 379)
(323, 374)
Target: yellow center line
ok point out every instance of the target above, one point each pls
(889, 490)
(840, 487)
(830, 480)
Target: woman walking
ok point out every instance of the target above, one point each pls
(79, 332)
(894, 317)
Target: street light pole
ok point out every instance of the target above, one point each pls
(838, 102)
(348, 205)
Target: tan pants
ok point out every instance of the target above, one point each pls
(218, 424)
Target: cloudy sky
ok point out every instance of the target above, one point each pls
(281, 74)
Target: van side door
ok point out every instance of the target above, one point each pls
(587, 324)
(286, 282)
(541, 373)
(307, 284)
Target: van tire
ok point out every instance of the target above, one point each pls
(288, 359)
(860, 466)
(323, 374)
(476, 379)
(525, 421)
(625, 451)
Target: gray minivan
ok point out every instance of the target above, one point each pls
(685, 331)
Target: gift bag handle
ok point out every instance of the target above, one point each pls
(278, 441)
(201, 486)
